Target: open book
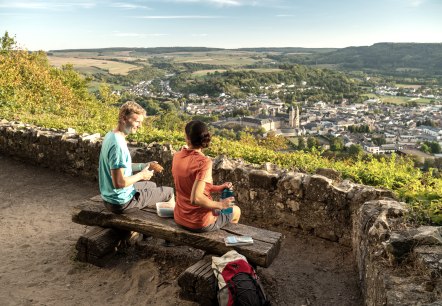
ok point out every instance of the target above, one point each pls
(238, 240)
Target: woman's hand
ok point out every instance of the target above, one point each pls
(227, 202)
(227, 185)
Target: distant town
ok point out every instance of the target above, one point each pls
(400, 128)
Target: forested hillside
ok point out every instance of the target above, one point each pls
(394, 58)
(320, 84)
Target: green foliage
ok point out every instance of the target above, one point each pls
(355, 150)
(379, 141)
(431, 147)
(33, 91)
(323, 84)
(362, 128)
(7, 42)
(336, 144)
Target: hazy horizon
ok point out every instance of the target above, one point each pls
(296, 47)
(227, 24)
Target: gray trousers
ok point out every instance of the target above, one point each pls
(147, 195)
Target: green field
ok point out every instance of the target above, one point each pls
(403, 100)
(371, 96)
(413, 86)
(225, 58)
(201, 73)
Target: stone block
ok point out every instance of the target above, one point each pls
(317, 188)
(262, 179)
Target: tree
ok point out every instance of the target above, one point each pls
(378, 141)
(425, 148)
(301, 143)
(274, 142)
(312, 142)
(106, 96)
(170, 121)
(7, 43)
(435, 147)
(355, 150)
(337, 144)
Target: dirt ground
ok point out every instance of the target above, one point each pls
(38, 266)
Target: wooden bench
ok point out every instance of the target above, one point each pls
(197, 282)
(261, 253)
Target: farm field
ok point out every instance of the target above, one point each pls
(403, 100)
(216, 58)
(413, 86)
(205, 72)
(85, 64)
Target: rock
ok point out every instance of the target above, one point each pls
(330, 173)
(262, 179)
(317, 188)
(429, 258)
(427, 235)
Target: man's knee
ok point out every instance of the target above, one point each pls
(144, 186)
(168, 192)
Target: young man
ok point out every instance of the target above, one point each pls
(119, 187)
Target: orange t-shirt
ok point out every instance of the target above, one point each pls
(187, 167)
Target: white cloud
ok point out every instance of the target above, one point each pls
(200, 35)
(415, 3)
(285, 15)
(47, 5)
(217, 2)
(122, 34)
(409, 3)
(231, 2)
(180, 17)
(129, 6)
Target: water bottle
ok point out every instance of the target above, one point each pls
(227, 193)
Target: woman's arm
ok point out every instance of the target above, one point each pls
(218, 188)
(198, 198)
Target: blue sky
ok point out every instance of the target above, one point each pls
(50, 25)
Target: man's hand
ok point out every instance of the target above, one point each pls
(155, 166)
(146, 174)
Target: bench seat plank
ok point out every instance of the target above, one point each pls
(262, 252)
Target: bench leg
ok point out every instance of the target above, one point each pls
(198, 283)
(98, 245)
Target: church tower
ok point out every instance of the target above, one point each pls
(297, 118)
(294, 118)
(291, 117)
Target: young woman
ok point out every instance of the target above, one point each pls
(192, 174)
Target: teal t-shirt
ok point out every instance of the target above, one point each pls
(114, 155)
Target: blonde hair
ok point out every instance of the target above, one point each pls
(129, 108)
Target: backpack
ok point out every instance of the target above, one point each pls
(238, 282)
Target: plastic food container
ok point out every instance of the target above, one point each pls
(165, 209)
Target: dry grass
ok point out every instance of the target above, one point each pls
(112, 66)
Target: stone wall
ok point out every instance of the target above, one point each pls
(365, 218)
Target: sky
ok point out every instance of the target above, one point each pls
(71, 24)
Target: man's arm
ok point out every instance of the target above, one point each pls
(136, 167)
(121, 181)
